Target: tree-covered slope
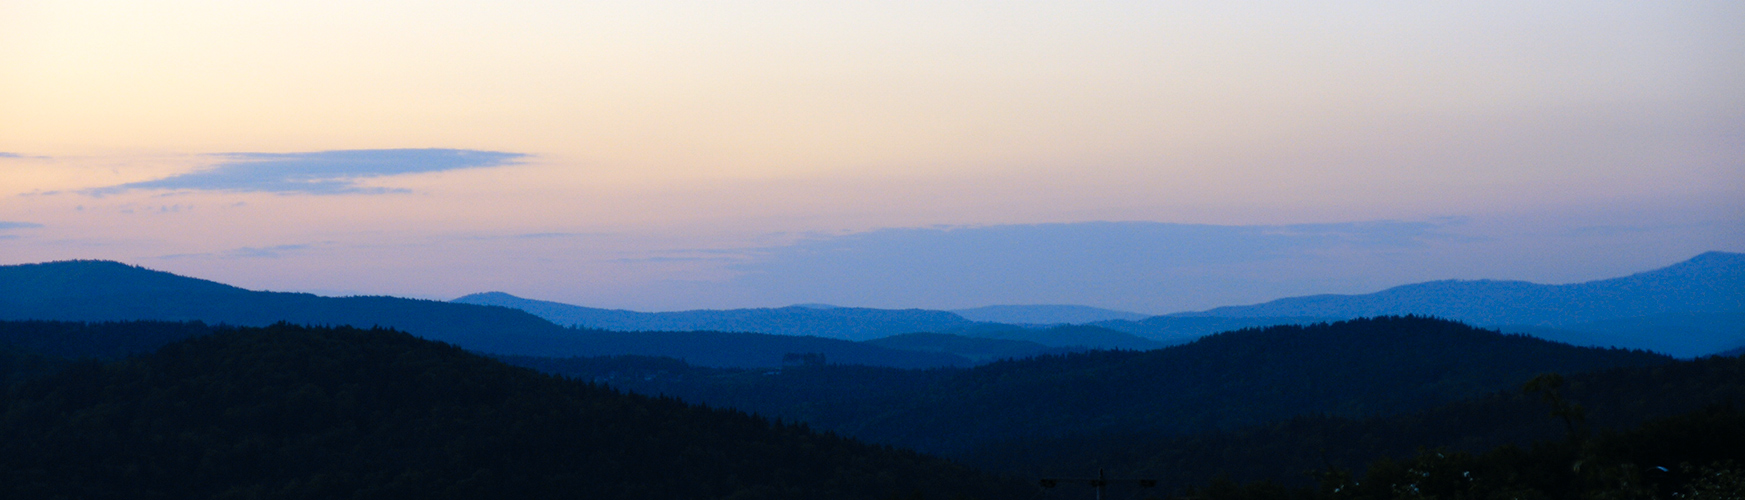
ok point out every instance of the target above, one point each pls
(108, 340)
(294, 412)
(1353, 368)
(976, 349)
(1285, 450)
(1698, 455)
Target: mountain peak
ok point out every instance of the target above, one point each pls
(1709, 262)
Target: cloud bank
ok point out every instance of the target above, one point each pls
(18, 225)
(1147, 266)
(321, 172)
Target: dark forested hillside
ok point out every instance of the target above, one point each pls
(749, 350)
(32, 349)
(1697, 455)
(976, 349)
(294, 412)
(1354, 368)
(103, 341)
(1285, 451)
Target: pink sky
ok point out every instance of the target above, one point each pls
(670, 155)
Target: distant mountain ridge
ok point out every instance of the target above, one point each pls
(819, 320)
(1689, 309)
(103, 291)
(1702, 300)
(1046, 314)
(112, 291)
(1711, 282)
(1172, 330)
(848, 323)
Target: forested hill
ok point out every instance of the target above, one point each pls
(1354, 368)
(1281, 451)
(295, 412)
(98, 291)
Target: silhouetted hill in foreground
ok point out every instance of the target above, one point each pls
(1355, 368)
(1695, 455)
(1285, 450)
(1691, 308)
(292, 412)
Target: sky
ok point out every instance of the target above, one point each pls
(654, 155)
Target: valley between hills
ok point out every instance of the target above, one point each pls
(125, 382)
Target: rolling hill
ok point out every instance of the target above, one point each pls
(1356, 368)
(1688, 309)
(1613, 400)
(295, 412)
(100, 291)
(111, 291)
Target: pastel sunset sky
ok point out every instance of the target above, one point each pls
(655, 155)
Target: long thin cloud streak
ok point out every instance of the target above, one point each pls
(324, 172)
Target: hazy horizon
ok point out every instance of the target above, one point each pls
(657, 156)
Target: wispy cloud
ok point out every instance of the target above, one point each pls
(272, 252)
(4, 154)
(321, 172)
(18, 225)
